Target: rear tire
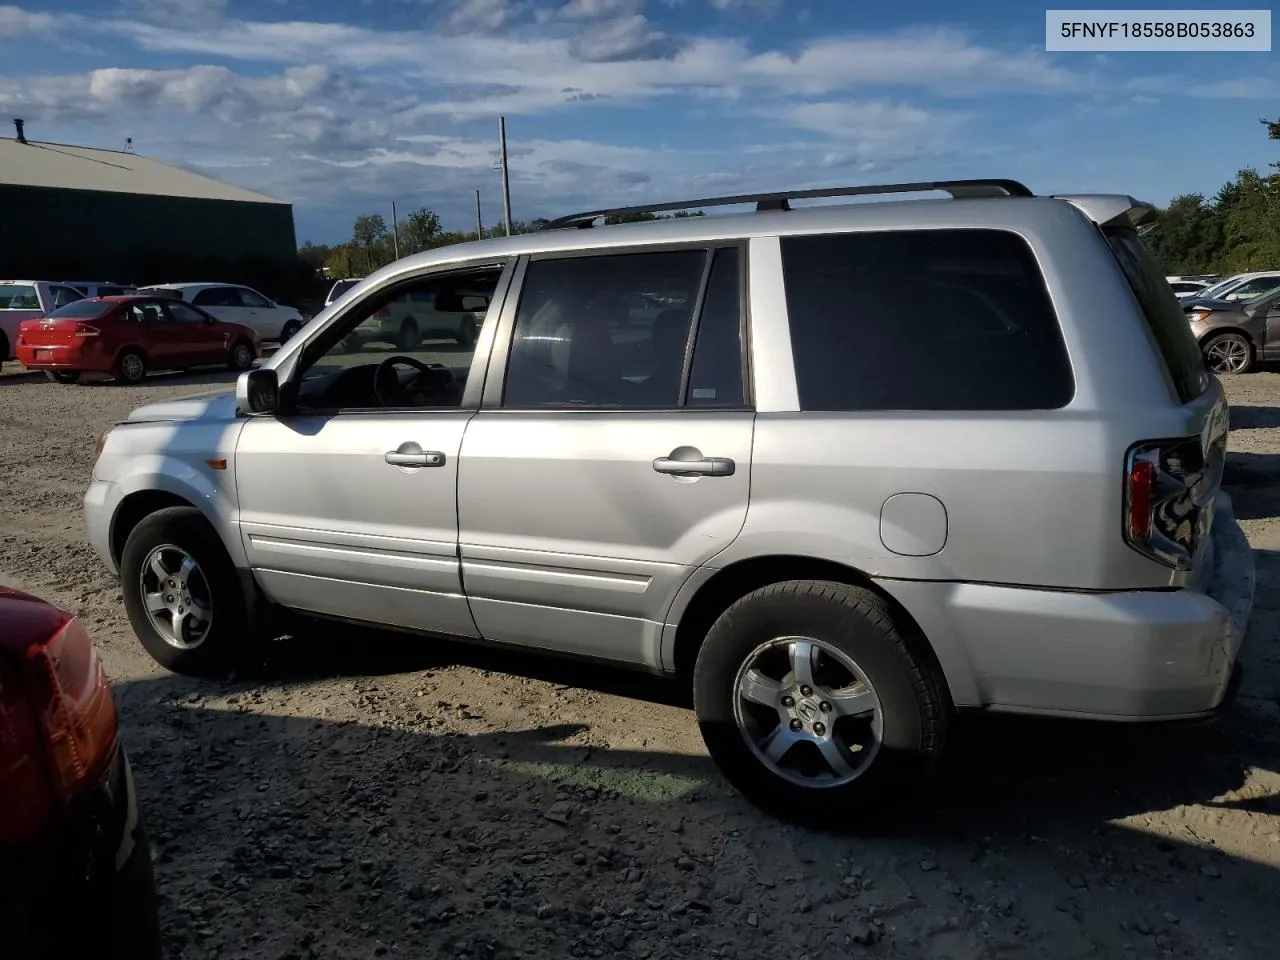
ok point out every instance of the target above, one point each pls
(131, 367)
(467, 333)
(817, 706)
(290, 331)
(409, 335)
(63, 376)
(209, 639)
(1229, 353)
(241, 355)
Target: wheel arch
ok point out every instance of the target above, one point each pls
(710, 598)
(135, 508)
(1219, 331)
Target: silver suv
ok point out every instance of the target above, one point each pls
(846, 468)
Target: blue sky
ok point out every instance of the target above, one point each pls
(341, 106)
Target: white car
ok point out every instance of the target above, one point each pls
(236, 304)
(29, 300)
(424, 315)
(340, 287)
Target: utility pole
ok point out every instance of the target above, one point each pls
(506, 182)
(395, 231)
(479, 222)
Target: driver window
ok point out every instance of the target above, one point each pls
(411, 347)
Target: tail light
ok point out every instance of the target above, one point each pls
(57, 728)
(1167, 495)
(85, 330)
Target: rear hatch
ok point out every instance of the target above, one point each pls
(1172, 482)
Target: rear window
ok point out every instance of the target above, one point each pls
(923, 320)
(18, 296)
(1162, 312)
(82, 309)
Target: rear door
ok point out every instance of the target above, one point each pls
(195, 339)
(161, 338)
(612, 453)
(223, 303)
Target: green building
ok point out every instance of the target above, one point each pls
(80, 213)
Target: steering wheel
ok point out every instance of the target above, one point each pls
(430, 387)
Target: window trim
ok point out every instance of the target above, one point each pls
(318, 343)
(496, 375)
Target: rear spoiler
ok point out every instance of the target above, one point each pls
(1111, 209)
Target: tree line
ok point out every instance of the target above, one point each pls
(374, 244)
(1235, 230)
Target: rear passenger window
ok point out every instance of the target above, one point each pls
(923, 320)
(604, 331)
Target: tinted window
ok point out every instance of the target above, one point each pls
(604, 331)
(184, 314)
(64, 295)
(217, 297)
(923, 320)
(18, 296)
(1162, 312)
(83, 309)
(251, 298)
(715, 379)
(1255, 288)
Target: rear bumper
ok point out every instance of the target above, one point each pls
(1130, 655)
(85, 888)
(60, 357)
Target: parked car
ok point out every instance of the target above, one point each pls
(1187, 288)
(421, 315)
(75, 863)
(1242, 286)
(841, 513)
(1235, 336)
(271, 321)
(90, 288)
(24, 299)
(340, 287)
(128, 336)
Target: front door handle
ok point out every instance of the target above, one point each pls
(689, 462)
(412, 455)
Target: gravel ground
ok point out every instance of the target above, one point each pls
(385, 796)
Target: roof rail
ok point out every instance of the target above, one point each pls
(959, 189)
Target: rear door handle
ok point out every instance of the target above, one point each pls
(425, 458)
(701, 467)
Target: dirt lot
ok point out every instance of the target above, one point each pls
(381, 796)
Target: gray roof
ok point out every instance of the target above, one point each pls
(36, 164)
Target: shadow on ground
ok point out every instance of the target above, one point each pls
(394, 835)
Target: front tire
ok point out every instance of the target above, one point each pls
(467, 333)
(63, 376)
(1229, 353)
(182, 594)
(817, 706)
(409, 335)
(290, 331)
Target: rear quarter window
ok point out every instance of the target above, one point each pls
(1162, 312)
(923, 320)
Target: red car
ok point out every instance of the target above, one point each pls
(75, 863)
(127, 336)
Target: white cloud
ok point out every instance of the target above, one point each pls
(620, 39)
(14, 21)
(179, 12)
(482, 14)
(761, 6)
(598, 9)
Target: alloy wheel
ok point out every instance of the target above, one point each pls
(176, 596)
(808, 712)
(1228, 355)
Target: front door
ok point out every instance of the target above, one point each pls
(348, 500)
(614, 456)
(197, 339)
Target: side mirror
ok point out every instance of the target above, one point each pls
(258, 392)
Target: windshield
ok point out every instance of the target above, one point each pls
(18, 296)
(1219, 288)
(82, 309)
(169, 292)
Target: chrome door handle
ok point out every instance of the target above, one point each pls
(430, 458)
(701, 467)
